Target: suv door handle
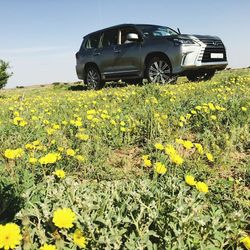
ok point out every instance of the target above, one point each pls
(96, 53)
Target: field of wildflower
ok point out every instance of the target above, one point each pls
(132, 167)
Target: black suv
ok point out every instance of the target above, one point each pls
(157, 53)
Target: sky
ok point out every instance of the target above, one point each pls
(39, 38)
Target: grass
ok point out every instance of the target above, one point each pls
(127, 192)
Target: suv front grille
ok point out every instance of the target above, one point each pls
(213, 46)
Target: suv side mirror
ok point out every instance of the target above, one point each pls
(132, 37)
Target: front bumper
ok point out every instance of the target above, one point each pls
(199, 56)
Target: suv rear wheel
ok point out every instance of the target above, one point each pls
(93, 78)
(200, 76)
(158, 70)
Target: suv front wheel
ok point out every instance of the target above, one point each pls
(158, 70)
(93, 78)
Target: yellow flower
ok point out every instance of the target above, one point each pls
(78, 123)
(46, 122)
(48, 247)
(147, 163)
(50, 131)
(9, 153)
(59, 173)
(187, 144)
(49, 158)
(90, 117)
(213, 117)
(56, 126)
(202, 187)
(182, 118)
(72, 122)
(79, 239)
(13, 153)
(199, 148)
(177, 159)
(19, 152)
(17, 120)
(91, 112)
(190, 180)
(145, 157)
(64, 218)
(159, 146)
(122, 123)
(179, 141)
(23, 123)
(96, 120)
(123, 129)
(246, 241)
(32, 160)
(211, 106)
(244, 109)
(160, 168)
(210, 157)
(34, 118)
(80, 158)
(181, 124)
(10, 236)
(70, 152)
(169, 150)
(113, 122)
(60, 149)
(36, 143)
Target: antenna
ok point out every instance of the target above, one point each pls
(178, 30)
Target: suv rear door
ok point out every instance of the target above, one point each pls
(104, 54)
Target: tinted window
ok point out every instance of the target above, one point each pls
(125, 32)
(93, 41)
(109, 38)
(154, 31)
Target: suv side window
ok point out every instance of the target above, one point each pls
(93, 41)
(109, 38)
(125, 32)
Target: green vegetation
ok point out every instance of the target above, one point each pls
(4, 75)
(149, 167)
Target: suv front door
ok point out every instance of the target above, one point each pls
(127, 58)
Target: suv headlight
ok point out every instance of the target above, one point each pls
(178, 41)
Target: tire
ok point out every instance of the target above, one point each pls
(158, 70)
(201, 76)
(93, 78)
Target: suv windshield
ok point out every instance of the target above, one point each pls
(156, 31)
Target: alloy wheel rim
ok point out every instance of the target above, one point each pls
(92, 79)
(159, 72)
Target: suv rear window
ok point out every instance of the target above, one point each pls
(93, 41)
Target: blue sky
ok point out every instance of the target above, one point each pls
(39, 38)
